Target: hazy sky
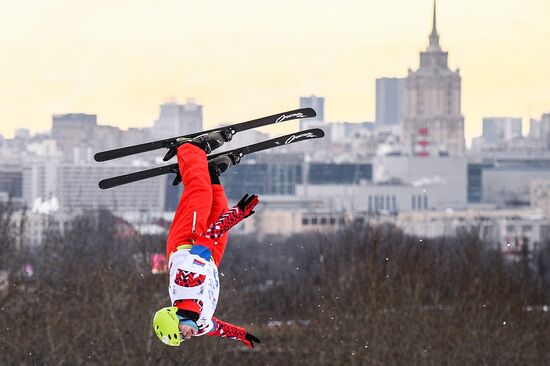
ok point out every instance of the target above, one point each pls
(244, 59)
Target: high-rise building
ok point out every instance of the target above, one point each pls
(73, 129)
(191, 117)
(390, 101)
(318, 104)
(315, 102)
(167, 125)
(545, 129)
(178, 119)
(39, 177)
(540, 130)
(433, 95)
(501, 129)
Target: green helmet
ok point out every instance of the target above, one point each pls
(165, 325)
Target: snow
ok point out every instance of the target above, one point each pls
(45, 207)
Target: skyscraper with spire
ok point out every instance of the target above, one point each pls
(432, 109)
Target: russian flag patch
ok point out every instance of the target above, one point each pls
(198, 263)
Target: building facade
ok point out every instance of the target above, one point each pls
(508, 230)
(511, 231)
(540, 195)
(509, 185)
(77, 189)
(280, 174)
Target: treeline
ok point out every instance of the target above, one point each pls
(362, 296)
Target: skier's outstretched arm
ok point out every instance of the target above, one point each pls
(236, 214)
(228, 330)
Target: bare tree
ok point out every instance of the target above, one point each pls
(363, 295)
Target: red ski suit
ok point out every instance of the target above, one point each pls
(200, 205)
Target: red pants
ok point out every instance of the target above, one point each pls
(201, 204)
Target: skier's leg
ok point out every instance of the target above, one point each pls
(195, 202)
(219, 206)
(219, 201)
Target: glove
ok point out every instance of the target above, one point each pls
(246, 204)
(226, 221)
(228, 330)
(250, 339)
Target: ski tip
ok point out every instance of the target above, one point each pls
(301, 113)
(104, 184)
(319, 132)
(310, 112)
(314, 133)
(99, 157)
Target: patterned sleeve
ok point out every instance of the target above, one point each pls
(227, 330)
(225, 222)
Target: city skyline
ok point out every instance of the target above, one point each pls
(117, 74)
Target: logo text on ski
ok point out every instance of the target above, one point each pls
(284, 117)
(307, 135)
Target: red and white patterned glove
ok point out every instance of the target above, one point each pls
(242, 210)
(228, 330)
(247, 204)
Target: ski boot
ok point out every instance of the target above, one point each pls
(221, 163)
(216, 167)
(207, 142)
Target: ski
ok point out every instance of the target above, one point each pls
(313, 133)
(233, 129)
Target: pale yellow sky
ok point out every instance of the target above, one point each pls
(243, 59)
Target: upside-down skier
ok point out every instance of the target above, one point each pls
(196, 244)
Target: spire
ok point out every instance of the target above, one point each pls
(434, 37)
(434, 23)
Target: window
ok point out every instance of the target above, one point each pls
(393, 203)
(413, 202)
(419, 202)
(342, 221)
(388, 207)
(313, 221)
(323, 220)
(370, 203)
(381, 198)
(425, 201)
(305, 221)
(332, 221)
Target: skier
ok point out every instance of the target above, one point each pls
(196, 244)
